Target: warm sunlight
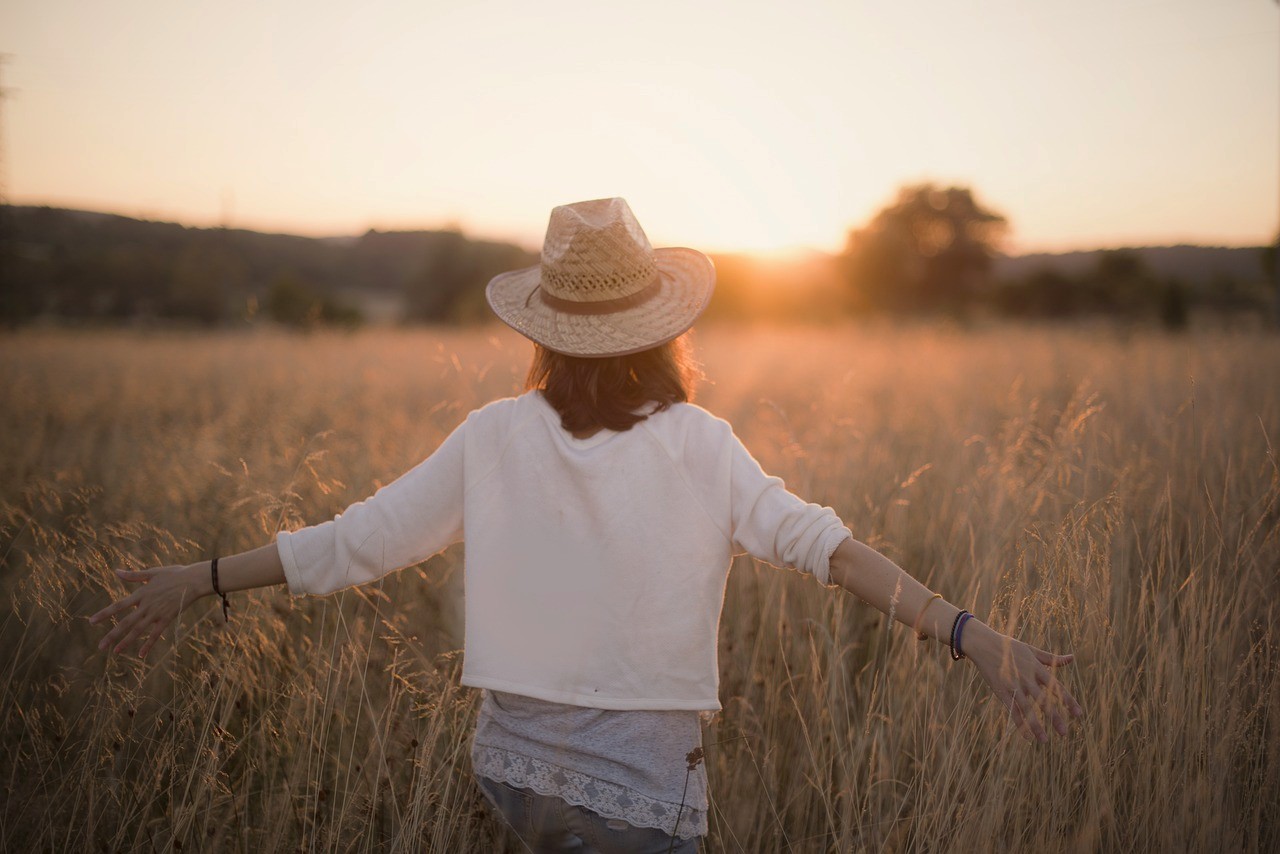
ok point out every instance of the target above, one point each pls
(729, 126)
(369, 482)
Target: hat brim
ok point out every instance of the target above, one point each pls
(686, 278)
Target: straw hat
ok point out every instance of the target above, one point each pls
(601, 289)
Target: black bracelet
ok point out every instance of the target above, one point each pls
(956, 655)
(213, 569)
(964, 621)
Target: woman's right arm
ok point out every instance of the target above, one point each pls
(168, 590)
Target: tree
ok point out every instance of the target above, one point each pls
(198, 286)
(1175, 305)
(451, 283)
(1045, 292)
(1122, 283)
(293, 302)
(929, 250)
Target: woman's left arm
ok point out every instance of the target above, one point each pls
(1020, 675)
(404, 522)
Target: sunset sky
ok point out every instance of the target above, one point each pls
(726, 125)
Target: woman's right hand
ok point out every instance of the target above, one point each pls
(152, 608)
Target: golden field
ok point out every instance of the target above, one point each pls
(1112, 494)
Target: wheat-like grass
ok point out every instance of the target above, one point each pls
(1113, 494)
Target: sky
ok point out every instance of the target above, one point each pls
(728, 126)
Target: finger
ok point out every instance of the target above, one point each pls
(157, 629)
(1070, 702)
(1059, 691)
(1058, 721)
(1052, 694)
(1051, 709)
(1018, 718)
(115, 607)
(1031, 714)
(118, 631)
(134, 575)
(1050, 659)
(1032, 693)
(1047, 678)
(134, 633)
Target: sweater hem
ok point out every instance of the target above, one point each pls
(593, 700)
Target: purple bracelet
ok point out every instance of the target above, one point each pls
(956, 652)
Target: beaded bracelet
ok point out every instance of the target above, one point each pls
(956, 655)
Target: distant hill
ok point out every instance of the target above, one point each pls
(1200, 267)
(91, 264)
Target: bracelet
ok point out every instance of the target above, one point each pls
(213, 570)
(960, 633)
(919, 634)
(956, 654)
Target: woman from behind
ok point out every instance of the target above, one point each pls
(600, 512)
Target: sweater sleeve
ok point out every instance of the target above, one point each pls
(774, 525)
(403, 523)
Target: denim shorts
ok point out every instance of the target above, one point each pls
(549, 824)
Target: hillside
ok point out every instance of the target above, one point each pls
(1198, 266)
(90, 264)
(86, 264)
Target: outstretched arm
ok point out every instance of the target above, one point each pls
(167, 590)
(1020, 675)
(403, 523)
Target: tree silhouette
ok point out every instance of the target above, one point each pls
(451, 282)
(929, 250)
(1122, 283)
(293, 302)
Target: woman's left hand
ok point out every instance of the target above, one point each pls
(1022, 678)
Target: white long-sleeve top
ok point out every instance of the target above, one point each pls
(595, 568)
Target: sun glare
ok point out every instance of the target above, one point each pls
(758, 130)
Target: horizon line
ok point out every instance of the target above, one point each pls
(782, 252)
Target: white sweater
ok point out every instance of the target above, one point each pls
(594, 568)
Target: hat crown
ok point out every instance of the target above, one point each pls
(596, 251)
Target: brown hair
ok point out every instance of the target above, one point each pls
(606, 391)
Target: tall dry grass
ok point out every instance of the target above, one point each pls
(1115, 495)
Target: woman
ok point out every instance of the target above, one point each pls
(600, 511)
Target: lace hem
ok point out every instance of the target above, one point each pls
(607, 799)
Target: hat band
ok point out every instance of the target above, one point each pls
(604, 306)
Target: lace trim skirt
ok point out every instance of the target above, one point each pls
(607, 799)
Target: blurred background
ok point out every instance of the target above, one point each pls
(334, 163)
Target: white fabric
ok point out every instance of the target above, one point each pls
(632, 765)
(595, 568)
(600, 796)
